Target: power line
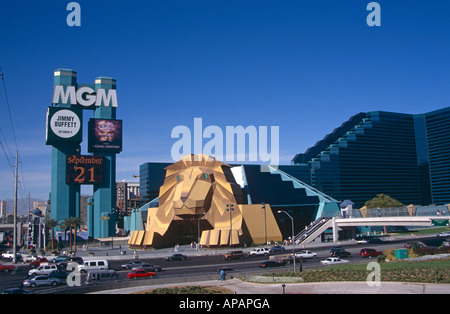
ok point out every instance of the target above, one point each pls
(4, 146)
(8, 107)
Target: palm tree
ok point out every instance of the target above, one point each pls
(76, 223)
(52, 223)
(67, 224)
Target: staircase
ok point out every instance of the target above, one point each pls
(314, 230)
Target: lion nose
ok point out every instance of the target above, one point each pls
(184, 197)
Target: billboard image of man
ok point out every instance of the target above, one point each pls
(105, 135)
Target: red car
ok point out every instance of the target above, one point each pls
(369, 253)
(140, 273)
(6, 268)
(38, 262)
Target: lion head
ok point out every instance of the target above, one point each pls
(199, 193)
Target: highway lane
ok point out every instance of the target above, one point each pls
(208, 264)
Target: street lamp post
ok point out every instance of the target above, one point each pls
(293, 240)
(263, 206)
(230, 208)
(198, 230)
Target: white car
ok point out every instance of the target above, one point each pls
(29, 258)
(444, 234)
(305, 254)
(333, 260)
(259, 251)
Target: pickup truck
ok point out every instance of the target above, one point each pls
(287, 258)
(10, 255)
(305, 254)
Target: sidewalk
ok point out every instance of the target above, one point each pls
(241, 287)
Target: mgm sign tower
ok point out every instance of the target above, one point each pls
(70, 168)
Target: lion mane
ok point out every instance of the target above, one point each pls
(199, 195)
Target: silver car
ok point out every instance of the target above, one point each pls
(148, 267)
(41, 280)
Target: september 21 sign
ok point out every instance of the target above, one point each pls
(84, 169)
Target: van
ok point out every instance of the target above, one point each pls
(93, 265)
(97, 276)
(233, 255)
(43, 269)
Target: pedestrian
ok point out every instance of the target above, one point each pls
(222, 275)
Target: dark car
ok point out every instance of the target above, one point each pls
(177, 257)
(225, 269)
(340, 252)
(277, 248)
(76, 259)
(369, 253)
(148, 267)
(60, 274)
(16, 291)
(374, 240)
(133, 264)
(266, 264)
(411, 245)
(60, 259)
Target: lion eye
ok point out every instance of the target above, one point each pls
(178, 178)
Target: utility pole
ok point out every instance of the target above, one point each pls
(15, 213)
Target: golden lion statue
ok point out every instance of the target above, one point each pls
(199, 195)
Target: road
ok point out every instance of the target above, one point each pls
(208, 264)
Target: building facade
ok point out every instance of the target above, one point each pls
(128, 196)
(403, 155)
(262, 193)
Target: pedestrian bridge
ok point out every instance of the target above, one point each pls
(320, 225)
(416, 221)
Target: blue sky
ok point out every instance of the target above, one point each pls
(305, 66)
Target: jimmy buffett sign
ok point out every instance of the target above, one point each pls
(63, 125)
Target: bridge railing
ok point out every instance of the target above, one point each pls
(432, 210)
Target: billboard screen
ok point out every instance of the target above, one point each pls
(104, 135)
(84, 169)
(63, 124)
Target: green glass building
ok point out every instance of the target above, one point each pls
(406, 156)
